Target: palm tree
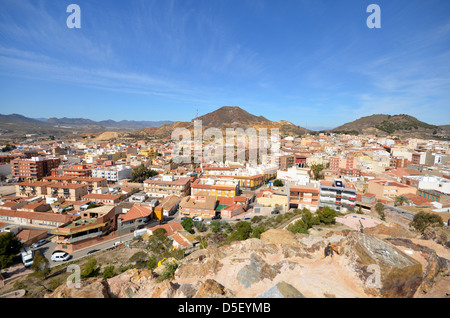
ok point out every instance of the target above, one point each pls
(400, 200)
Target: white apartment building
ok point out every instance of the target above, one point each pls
(114, 173)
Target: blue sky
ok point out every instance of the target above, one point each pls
(312, 62)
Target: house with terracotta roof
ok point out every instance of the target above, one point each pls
(200, 205)
(42, 219)
(104, 198)
(232, 211)
(135, 218)
(167, 207)
(384, 189)
(30, 236)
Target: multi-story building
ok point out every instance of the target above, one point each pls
(77, 171)
(337, 195)
(165, 185)
(33, 168)
(347, 163)
(68, 191)
(112, 174)
(198, 205)
(434, 195)
(249, 178)
(31, 188)
(287, 161)
(103, 198)
(214, 187)
(306, 196)
(388, 189)
(86, 229)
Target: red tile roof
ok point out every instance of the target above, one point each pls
(136, 212)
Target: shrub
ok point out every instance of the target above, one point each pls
(90, 269)
(108, 272)
(422, 220)
(298, 227)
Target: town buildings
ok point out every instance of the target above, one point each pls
(33, 168)
(165, 185)
(338, 195)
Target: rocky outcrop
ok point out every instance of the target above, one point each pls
(440, 235)
(282, 264)
(256, 271)
(437, 267)
(282, 290)
(91, 288)
(386, 270)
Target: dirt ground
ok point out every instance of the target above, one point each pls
(35, 287)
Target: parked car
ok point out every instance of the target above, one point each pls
(197, 218)
(216, 217)
(185, 218)
(60, 256)
(275, 212)
(40, 243)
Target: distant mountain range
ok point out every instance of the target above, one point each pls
(225, 117)
(79, 122)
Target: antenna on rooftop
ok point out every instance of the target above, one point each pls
(196, 116)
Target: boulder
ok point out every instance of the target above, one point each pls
(256, 271)
(281, 290)
(212, 289)
(90, 288)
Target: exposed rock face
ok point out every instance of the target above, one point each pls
(437, 267)
(282, 290)
(91, 288)
(256, 271)
(438, 234)
(282, 264)
(384, 268)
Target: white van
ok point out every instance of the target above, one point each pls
(60, 256)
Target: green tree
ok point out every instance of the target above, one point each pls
(169, 272)
(257, 231)
(317, 171)
(422, 220)
(10, 245)
(188, 225)
(141, 173)
(200, 226)
(215, 226)
(278, 183)
(327, 215)
(309, 219)
(379, 207)
(242, 232)
(41, 265)
(400, 200)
